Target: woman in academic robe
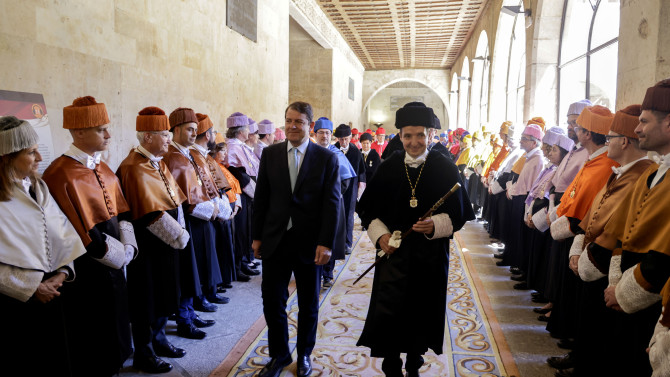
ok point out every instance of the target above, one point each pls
(37, 247)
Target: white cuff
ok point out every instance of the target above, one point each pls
(19, 283)
(250, 189)
(115, 257)
(631, 296)
(130, 254)
(168, 230)
(560, 229)
(203, 211)
(224, 209)
(377, 229)
(587, 270)
(614, 274)
(180, 217)
(127, 234)
(659, 357)
(577, 246)
(238, 201)
(496, 188)
(443, 226)
(540, 220)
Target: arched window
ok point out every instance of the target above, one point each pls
(479, 101)
(587, 65)
(463, 94)
(453, 103)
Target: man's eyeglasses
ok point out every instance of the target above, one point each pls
(608, 138)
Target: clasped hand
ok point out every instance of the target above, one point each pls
(48, 289)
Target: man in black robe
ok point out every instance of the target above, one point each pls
(153, 278)
(357, 183)
(370, 156)
(89, 194)
(414, 275)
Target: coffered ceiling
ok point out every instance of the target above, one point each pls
(402, 34)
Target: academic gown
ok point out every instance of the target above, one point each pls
(372, 161)
(408, 302)
(153, 276)
(96, 302)
(393, 146)
(350, 196)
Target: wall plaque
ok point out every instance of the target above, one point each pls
(242, 16)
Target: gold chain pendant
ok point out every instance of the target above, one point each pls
(572, 193)
(413, 202)
(199, 182)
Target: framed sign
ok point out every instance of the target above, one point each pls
(400, 101)
(31, 108)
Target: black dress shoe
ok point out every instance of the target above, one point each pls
(189, 331)
(304, 366)
(203, 305)
(250, 271)
(536, 294)
(501, 263)
(227, 285)
(542, 310)
(172, 317)
(168, 350)
(274, 367)
(518, 277)
(515, 271)
(413, 373)
(543, 318)
(327, 283)
(243, 277)
(521, 286)
(221, 289)
(152, 364)
(202, 323)
(539, 300)
(347, 251)
(566, 344)
(498, 255)
(561, 362)
(218, 299)
(570, 372)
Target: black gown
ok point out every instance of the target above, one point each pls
(372, 162)
(96, 310)
(415, 276)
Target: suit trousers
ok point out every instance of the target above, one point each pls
(276, 277)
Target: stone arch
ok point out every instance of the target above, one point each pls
(436, 80)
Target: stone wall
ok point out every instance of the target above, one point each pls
(644, 55)
(346, 110)
(311, 76)
(131, 54)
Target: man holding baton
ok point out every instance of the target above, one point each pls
(414, 274)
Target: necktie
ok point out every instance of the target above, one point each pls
(293, 174)
(293, 167)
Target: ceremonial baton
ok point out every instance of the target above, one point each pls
(410, 230)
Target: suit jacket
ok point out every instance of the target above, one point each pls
(312, 206)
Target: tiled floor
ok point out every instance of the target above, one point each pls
(529, 343)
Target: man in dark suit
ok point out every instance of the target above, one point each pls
(294, 221)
